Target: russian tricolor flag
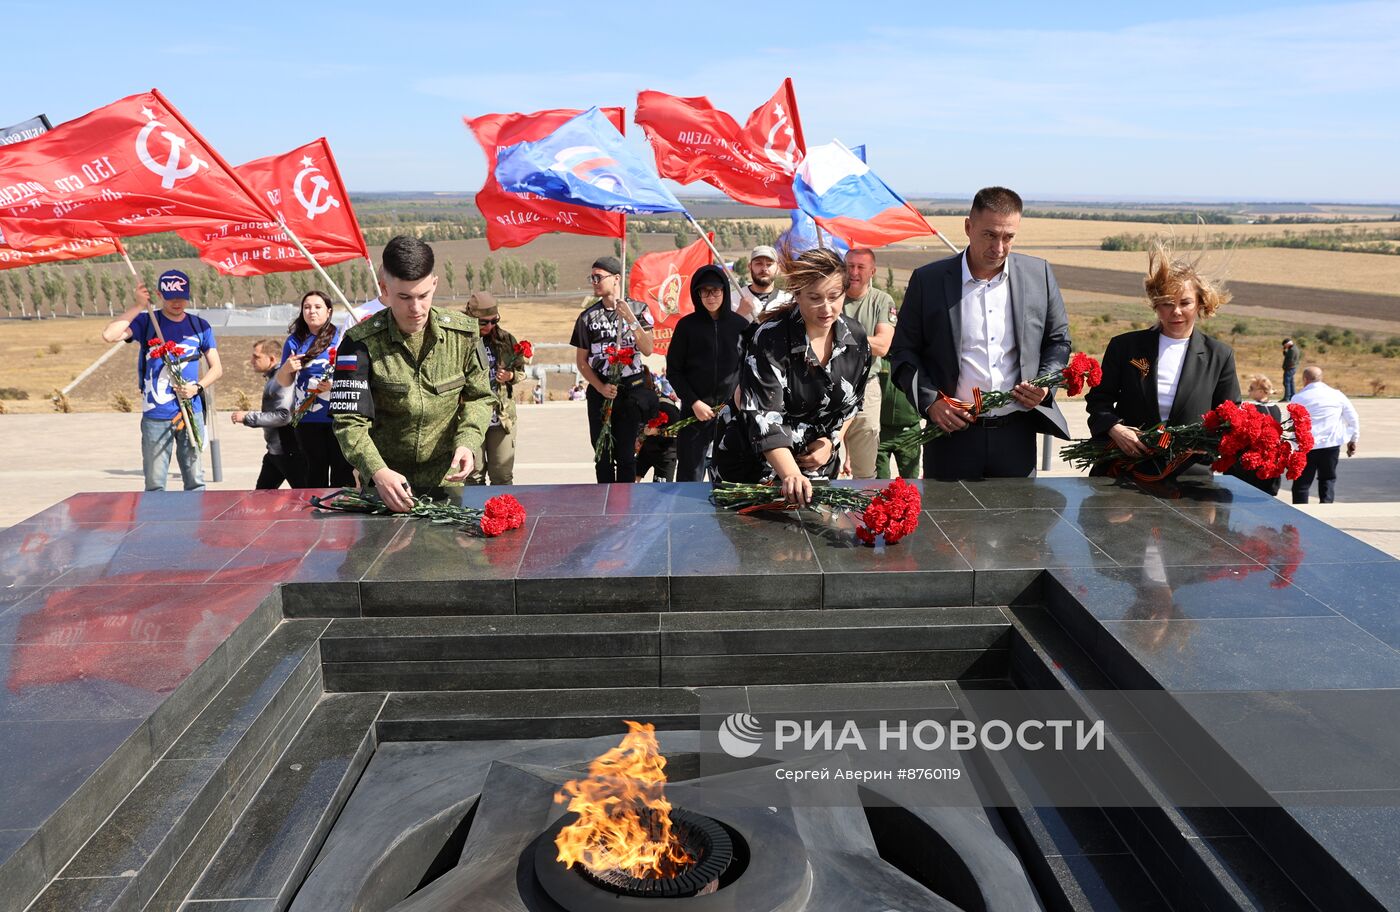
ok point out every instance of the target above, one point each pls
(842, 194)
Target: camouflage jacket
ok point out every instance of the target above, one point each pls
(411, 416)
(502, 345)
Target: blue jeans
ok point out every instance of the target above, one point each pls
(157, 438)
(1288, 384)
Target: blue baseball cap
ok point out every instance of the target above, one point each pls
(174, 284)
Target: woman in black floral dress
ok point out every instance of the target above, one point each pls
(801, 382)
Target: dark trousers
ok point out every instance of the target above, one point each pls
(1322, 464)
(691, 444)
(1003, 449)
(659, 460)
(325, 466)
(621, 463)
(277, 469)
(1288, 384)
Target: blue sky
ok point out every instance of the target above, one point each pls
(1189, 100)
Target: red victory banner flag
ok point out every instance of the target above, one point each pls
(46, 250)
(694, 141)
(513, 219)
(55, 250)
(662, 281)
(303, 188)
(133, 167)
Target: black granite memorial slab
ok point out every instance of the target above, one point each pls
(1158, 592)
(923, 568)
(722, 561)
(1368, 595)
(658, 497)
(546, 500)
(602, 563)
(316, 549)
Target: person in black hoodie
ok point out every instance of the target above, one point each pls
(702, 365)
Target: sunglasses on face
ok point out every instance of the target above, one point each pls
(492, 321)
(597, 277)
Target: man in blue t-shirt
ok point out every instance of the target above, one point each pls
(161, 425)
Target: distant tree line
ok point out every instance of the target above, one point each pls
(1345, 240)
(1181, 217)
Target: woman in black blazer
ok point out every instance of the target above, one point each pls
(1172, 373)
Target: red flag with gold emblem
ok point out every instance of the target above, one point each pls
(302, 187)
(754, 164)
(133, 167)
(662, 281)
(513, 219)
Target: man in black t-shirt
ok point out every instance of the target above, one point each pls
(614, 323)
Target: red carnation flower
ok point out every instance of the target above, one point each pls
(525, 349)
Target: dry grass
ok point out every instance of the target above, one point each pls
(1322, 269)
(28, 363)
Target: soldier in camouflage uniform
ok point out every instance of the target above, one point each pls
(506, 366)
(411, 399)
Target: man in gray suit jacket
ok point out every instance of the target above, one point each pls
(989, 319)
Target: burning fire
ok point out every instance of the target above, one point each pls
(624, 819)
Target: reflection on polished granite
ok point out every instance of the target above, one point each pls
(111, 603)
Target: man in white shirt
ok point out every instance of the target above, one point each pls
(1334, 422)
(988, 319)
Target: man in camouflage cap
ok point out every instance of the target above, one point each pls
(411, 399)
(507, 366)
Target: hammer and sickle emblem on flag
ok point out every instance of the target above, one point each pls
(786, 157)
(170, 170)
(319, 185)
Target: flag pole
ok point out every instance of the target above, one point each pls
(622, 246)
(217, 465)
(374, 277)
(319, 269)
(733, 279)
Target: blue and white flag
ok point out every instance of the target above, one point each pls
(585, 161)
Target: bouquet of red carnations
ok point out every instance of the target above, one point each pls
(1228, 434)
(313, 393)
(171, 355)
(892, 512)
(1081, 372)
(500, 514)
(618, 358)
(524, 349)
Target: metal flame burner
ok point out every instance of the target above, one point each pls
(702, 838)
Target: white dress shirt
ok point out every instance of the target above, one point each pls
(1171, 354)
(987, 354)
(1334, 420)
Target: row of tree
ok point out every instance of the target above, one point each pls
(106, 288)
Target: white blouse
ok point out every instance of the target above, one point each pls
(1171, 354)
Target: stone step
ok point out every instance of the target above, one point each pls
(1148, 856)
(676, 649)
(272, 845)
(171, 820)
(586, 712)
